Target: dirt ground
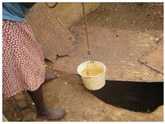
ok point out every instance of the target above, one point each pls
(120, 36)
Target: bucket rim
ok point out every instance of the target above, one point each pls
(78, 71)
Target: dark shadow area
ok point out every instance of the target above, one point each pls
(132, 95)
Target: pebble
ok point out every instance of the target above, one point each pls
(133, 22)
(131, 64)
(136, 72)
(123, 61)
(156, 39)
(107, 19)
(66, 83)
(151, 38)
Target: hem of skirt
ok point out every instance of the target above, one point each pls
(35, 88)
(23, 89)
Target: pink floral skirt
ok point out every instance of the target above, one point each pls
(23, 60)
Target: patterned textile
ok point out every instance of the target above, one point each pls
(23, 60)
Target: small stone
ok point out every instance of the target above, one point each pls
(151, 38)
(148, 15)
(135, 72)
(146, 45)
(107, 19)
(66, 83)
(133, 22)
(131, 64)
(123, 61)
(156, 39)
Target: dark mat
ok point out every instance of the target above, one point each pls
(132, 95)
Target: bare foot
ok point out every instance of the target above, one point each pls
(52, 114)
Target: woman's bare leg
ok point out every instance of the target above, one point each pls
(42, 111)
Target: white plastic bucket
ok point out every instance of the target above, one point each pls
(92, 82)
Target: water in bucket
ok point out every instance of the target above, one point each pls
(92, 74)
